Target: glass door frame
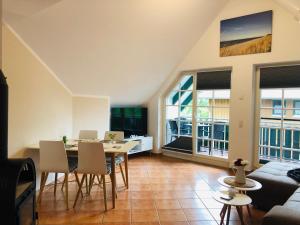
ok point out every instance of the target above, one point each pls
(194, 112)
(164, 106)
(256, 150)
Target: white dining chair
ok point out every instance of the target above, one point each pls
(88, 134)
(53, 159)
(92, 161)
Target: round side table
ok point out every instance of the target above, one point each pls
(242, 190)
(238, 201)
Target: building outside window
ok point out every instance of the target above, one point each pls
(296, 107)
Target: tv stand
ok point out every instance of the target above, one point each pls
(145, 144)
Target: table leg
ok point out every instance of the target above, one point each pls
(228, 214)
(113, 172)
(222, 214)
(240, 212)
(126, 169)
(249, 211)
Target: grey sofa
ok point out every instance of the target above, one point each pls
(279, 194)
(288, 214)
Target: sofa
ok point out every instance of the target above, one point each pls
(279, 193)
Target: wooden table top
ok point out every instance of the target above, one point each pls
(72, 145)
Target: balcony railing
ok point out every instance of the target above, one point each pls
(269, 141)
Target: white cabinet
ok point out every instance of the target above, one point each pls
(145, 144)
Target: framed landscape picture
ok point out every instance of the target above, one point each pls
(248, 34)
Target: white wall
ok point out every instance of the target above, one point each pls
(205, 55)
(91, 113)
(39, 106)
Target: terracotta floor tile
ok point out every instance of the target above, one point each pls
(142, 195)
(171, 215)
(144, 215)
(117, 216)
(174, 223)
(87, 218)
(197, 214)
(212, 203)
(204, 194)
(142, 204)
(116, 223)
(203, 223)
(163, 191)
(167, 204)
(191, 203)
(145, 223)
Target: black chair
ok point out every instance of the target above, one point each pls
(173, 128)
(219, 135)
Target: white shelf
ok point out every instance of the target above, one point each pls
(145, 144)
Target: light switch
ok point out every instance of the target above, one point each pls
(241, 124)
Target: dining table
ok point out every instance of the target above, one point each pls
(111, 149)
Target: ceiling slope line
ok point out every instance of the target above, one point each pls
(37, 57)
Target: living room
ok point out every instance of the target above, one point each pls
(203, 93)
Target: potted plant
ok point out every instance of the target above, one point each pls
(239, 166)
(112, 137)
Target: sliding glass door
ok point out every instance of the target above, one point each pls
(212, 117)
(279, 121)
(213, 122)
(199, 125)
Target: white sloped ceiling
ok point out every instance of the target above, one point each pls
(124, 49)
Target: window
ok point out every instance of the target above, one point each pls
(197, 114)
(277, 105)
(297, 107)
(213, 122)
(179, 112)
(212, 113)
(279, 132)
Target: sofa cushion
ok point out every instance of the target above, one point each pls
(294, 201)
(281, 215)
(275, 182)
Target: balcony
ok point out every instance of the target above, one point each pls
(217, 144)
(212, 138)
(270, 140)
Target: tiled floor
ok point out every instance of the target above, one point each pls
(163, 191)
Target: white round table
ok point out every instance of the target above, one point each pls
(243, 189)
(239, 200)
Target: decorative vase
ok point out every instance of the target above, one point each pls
(240, 176)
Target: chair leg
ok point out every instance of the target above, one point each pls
(44, 177)
(104, 191)
(123, 175)
(99, 180)
(77, 180)
(86, 184)
(63, 184)
(79, 190)
(67, 189)
(55, 184)
(91, 183)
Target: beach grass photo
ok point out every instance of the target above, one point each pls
(248, 34)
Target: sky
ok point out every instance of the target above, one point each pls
(249, 26)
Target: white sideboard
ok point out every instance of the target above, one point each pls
(145, 144)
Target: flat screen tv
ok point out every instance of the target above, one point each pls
(131, 120)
